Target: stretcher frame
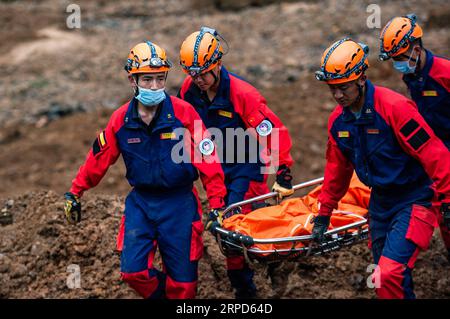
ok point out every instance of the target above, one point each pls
(233, 243)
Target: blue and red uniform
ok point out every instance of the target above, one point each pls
(430, 90)
(163, 208)
(395, 152)
(239, 106)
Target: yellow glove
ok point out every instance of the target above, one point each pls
(282, 191)
(215, 219)
(283, 182)
(72, 208)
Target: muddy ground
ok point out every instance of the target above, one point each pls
(59, 86)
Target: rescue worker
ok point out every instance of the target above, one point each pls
(226, 102)
(381, 135)
(163, 208)
(427, 77)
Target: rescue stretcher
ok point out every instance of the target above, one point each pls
(347, 228)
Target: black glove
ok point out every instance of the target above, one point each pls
(445, 209)
(72, 208)
(216, 218)
(321, 224)
(283, 184)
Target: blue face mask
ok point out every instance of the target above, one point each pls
(403, 66)
(150, 97)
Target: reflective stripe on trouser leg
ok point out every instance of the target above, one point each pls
(138, 252)
(398, 255)
(180, 244)
(238, 271)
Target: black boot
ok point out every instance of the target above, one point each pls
(242, 281)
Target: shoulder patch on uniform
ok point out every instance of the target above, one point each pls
(206, 146)
(99, 143)
(264, 128)
(409, 127)
(418, 139)
(96, 147)
(102, 139)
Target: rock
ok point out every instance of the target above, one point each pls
(10, 203)
(315, 148)
(242, 4)
(48, 231)
(256, 70)
(38, 249)
(5, 263)
(9, 136)
(358, 282)
(18, 270)
(6, 217)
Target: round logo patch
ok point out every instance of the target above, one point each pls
(264, 128)
(206, 146)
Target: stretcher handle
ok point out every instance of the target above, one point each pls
(245, 240)
(272, 194)
(307, 238)
(237, 237)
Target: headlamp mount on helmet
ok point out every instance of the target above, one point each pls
(404, 42)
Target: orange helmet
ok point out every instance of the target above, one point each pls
(344, 61)
(147, 57)
(397, 35)
(201, 51)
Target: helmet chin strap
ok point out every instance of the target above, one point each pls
(418, 63)
(360, 94)
(136, 88)
(216, 77)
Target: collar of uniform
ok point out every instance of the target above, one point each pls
(166, 116)
(367, 111)
(423, 74)
(132, 117)
(163, 118)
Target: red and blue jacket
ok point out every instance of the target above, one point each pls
(238, 104)
(146, 151)
(430, 89)
(390, 147)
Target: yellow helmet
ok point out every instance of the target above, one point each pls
(397, 36)
(147, 57)
(344, 61)
(201, 51)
